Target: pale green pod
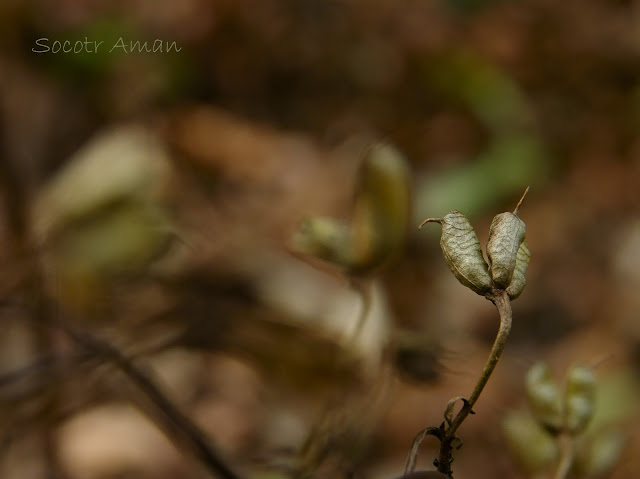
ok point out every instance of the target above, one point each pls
(103, 216)
(519, 281)
(323, 238)
(506, 234)
(462, 252)
(121, 164)
(528, 442)
(381, 211)
(544, 397)
(579, 398)
(378, 226)
(600, 454)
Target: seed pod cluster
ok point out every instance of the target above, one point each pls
(381, 211)
(507, 252)
(379, 222)
(569, 411)
(534, 436)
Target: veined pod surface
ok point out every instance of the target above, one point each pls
(579, 398)
(544, 397)
(519, 281)
(462, 252)
(506, 234)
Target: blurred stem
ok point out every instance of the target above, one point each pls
(364, 288)
(566, 460)
(319, 444)
(15, 185)
(16, 192)
(173, 420)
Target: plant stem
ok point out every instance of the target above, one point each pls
(566, 443)
(501, 300)
(174, 421)
(330, 424)
(364, 289)
(503, 304)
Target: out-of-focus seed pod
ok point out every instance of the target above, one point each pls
(600, 453)
(381, 213)
(103, 216)
(506, 234)
(323, 238)
(379, 223)
(126, 163)
(533, 447)
(462, 252)
(544, 398)
(579, 398)
(519, 281)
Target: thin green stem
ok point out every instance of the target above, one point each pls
(503, 304)
(501, 300)
(446, 433)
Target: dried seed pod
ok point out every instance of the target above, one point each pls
(462, 252)
(506, 234)
(518, 281)
(579, 398)
(544, 397)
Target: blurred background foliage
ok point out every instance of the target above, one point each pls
(149, 198)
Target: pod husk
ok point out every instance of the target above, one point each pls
(519, 281)
(506, 234)
(463, 254)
